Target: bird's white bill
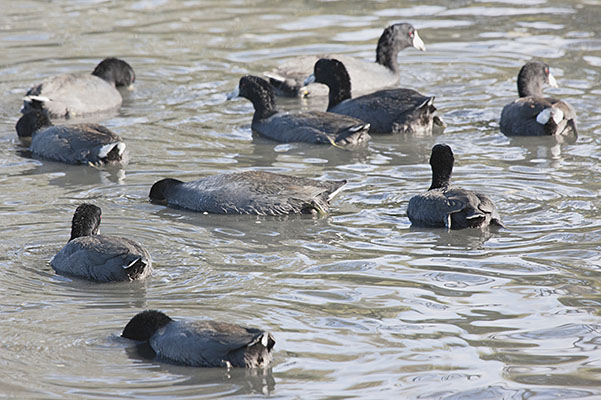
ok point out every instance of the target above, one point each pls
(234, 93)
(310, 79)
(552, 81)
(418, 43)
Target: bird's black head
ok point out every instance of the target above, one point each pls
(441, 161)
(116, 72)
(533, 75)
(159, 189)
(395, 38)
(31, 122)
(86, 221)
(143, 325)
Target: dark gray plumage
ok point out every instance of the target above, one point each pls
(252, 192)
(288, 78)
(387, 111)
(72, 144)
(99, 258)
(80, 94)
(535, 115)
(201, 343)
(309, 127)
(448, 206)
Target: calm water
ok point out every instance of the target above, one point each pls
(360, 304)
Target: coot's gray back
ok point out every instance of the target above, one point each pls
(103, 259)
(447, 206)
(80, 94)
(79, 144)
(252, 192)
(73, 95)
(452, 208)
(314, 127)
(212, 344)
(392, 111)
(98, 258)
(73, 144)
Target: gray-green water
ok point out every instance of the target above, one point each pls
(360, 304)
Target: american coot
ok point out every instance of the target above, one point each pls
(201, 343)
(309, 127)
(99, 258)
(288, 78)
(251, 192)
(78, 94)
(72, 144)
(447, 206)
(387, 111)
(535, 115)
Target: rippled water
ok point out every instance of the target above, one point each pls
(360, 304)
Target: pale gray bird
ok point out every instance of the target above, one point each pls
(287, 79)
(79, 94)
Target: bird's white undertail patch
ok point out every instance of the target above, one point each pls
(106, 149)
(36, 98)
(274, 76)
(544, 116)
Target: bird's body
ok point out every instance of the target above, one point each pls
(447, 206)
(308, 127)
(392, 111)
(387, 111)
(102, 258)
(99, 258)
(452, 208)
(201, 343)
(76, 95)
(532, 114)
(252, 192)
(287, 79)
(84, 143)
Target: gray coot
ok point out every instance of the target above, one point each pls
(201, 343)
(251, 192)
(308, 127)
(99, 258)
(288, 78)
(446, 206)
(72, 144)
(387, 111)
(535, 115)
(79, 94)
